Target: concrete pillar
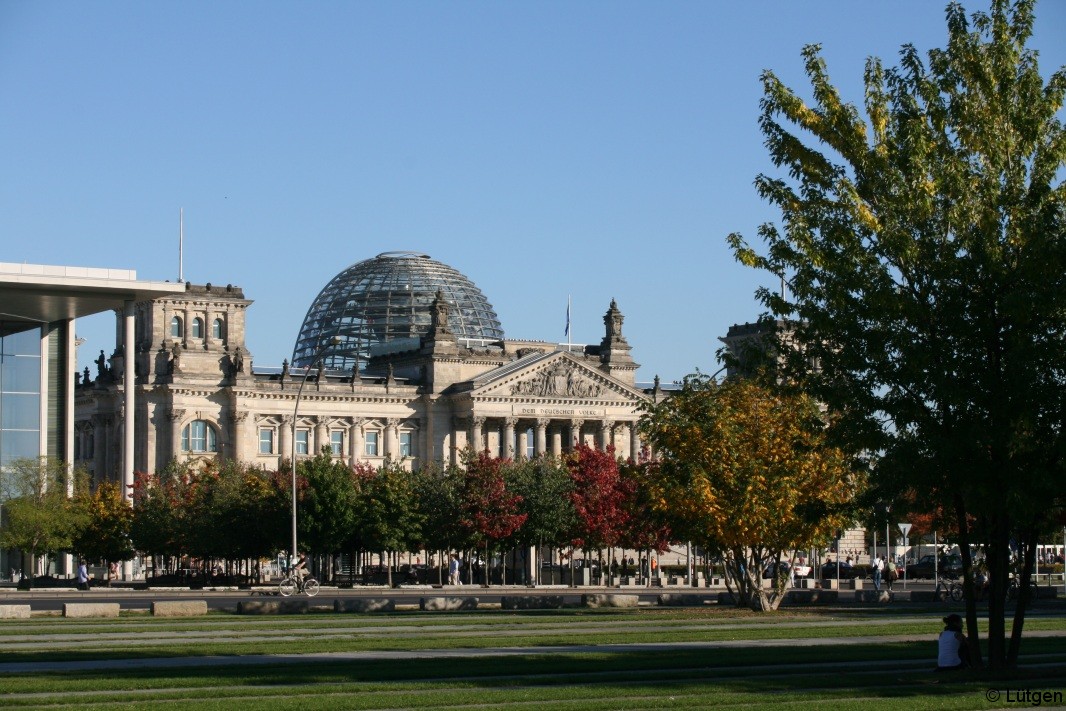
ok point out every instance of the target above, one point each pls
(557, 440)
(634, 439)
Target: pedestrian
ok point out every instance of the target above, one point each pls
(879, 568)
(83, 576)
(953, 651)
(453, 570)
(891, 574)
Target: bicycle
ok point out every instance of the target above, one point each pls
(951, 590)
(1014, 589)
(292, 585)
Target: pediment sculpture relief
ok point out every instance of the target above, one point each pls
(561, 380)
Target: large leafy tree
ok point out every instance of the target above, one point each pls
(748, 469)
(544, 485)
(488, 512)
(388, 517)
(103, 531)
(38, 515)
(600, 497)
(925, 252)
(328, 508)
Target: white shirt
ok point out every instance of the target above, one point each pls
(948, 649)
(879, 564)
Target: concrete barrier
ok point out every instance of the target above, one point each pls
(689, 600)
(813, 596)
(90, 609)
(873, 596)
(369, 604)
(609, 600)
(179, 608)
(14, 612)
(433, 604)
(272, 607)
(531, 602)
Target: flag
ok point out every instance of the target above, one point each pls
(566, 331)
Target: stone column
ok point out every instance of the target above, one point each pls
(239, 435)
(523, 442)
(392, 448)
(176, 415)
(459, 426)
(507, 444)
(285, 439)
(321, 437)
(634, 440)
(186, 327)
(355, 439)
(540, 441)
(557, 440)
(478, 438)
(575, 434)
(622, 440)
(605, 434)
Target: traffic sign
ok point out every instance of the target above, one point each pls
(905, 528)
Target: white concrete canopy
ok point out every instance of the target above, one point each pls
(46, 293)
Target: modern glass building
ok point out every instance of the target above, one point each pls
(386, 300)
(38, 306)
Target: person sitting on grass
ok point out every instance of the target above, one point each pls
(953, 652)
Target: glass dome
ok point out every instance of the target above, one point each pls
(385, 299)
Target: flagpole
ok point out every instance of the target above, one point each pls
(181, 243)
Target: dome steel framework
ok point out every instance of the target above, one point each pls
(386, 299)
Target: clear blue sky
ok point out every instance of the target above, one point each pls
(597, 149)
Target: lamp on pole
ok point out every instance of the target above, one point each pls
(295, 413)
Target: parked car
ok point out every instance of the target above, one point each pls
(950, 567)
(829, 570)
(801, 570)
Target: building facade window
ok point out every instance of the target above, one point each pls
(216, 329)
(370, 443)
(531, 444)
(406, 444)
(177, 328)
(20, 391)
(302, 438)
(266, 440)
(199, 436)
(336, 442)
(197, 327)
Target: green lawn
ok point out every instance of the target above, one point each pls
(853, 675)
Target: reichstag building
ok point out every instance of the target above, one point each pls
(399, 356)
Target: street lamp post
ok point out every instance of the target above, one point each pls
(295, 413)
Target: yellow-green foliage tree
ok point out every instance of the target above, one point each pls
(103, 533)
(747, 470)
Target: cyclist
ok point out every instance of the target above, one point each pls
(299, 571)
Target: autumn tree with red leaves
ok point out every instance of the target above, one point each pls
(488, 512)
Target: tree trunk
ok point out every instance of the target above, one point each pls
(1029, 540)
(969, 590)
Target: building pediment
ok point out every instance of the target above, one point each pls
(554, 377)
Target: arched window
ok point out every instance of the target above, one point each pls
(216, 329)
(177, 328)
(199, 436)
(197, 327)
